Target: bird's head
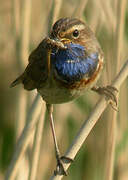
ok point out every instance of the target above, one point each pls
(71, 30)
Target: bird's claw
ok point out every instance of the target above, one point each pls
(60, 169)
(109, 92)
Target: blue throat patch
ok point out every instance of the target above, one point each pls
(72, 63)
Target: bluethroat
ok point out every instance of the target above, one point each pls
(63, 66)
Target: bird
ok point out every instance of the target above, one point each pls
(63, 67)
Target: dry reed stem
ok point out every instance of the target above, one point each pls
(106, 9)
(16, 9)
(24, 139)
(24, 20)
(112, 126)
(57, 7)
(37, 145)
(121, 8)
(91, 121)
(114, 3)
(95, 22)
(21, 110)
(78, 12)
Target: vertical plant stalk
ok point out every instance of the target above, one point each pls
(57, 7)
(24, 53)
(37, 145)
(113, 123)
(25, 28)
(16, 18)
(24, 34)
(108, 13)
(79, 10)
(22, 98)
(54, 12)
(91, 121)
(25, 138)
(21, 103)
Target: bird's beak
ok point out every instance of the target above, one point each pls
(60, 42)
(65, 40)
(53, 42)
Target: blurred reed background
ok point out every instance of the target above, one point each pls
(23, 25)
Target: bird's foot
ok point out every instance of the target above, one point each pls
(60, 169)
(109, 92)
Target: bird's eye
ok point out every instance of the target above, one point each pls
(75, 33)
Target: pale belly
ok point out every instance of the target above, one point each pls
(53, 93)
(57, 95)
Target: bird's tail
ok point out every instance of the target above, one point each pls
(17, 81)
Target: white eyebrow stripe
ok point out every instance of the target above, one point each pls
(79, 27)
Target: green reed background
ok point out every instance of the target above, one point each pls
(23, 25)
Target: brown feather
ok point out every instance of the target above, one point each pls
(16, 82)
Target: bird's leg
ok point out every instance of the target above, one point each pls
(60, 167)
(109, 92)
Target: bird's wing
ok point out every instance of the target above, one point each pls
(35, 73)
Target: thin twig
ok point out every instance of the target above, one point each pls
(24, 138)
(36, 146)
(91, 121)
